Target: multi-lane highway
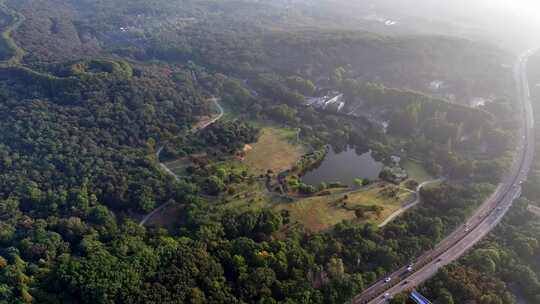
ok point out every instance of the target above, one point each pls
(484, 219)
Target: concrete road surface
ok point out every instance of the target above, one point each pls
(485, 218)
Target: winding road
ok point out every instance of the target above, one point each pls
(163, 166)
(411, 204)
(484, 219)
(215, 100)
(194, 130)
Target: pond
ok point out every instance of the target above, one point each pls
(344, 167)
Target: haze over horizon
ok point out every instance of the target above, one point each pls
(269, 151)
(509, 22)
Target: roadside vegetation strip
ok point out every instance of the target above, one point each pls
(494, 207)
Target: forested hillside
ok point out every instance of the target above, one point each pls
(91, 132)
(97, 97)
(248, 37)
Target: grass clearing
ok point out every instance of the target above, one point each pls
(179, 166)
(416, 171)
(249, 194)
(168, 217)
(251, 197)
(275, 150)
(320, 213)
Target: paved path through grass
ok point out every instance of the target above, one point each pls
(410, 205)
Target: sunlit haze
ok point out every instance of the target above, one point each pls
(269, 151)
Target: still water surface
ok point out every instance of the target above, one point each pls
(344, 167)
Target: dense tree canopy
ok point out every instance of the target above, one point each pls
(106, 90)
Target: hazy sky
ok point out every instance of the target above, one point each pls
(515, 17)
(513, 24)
(526, 10)
(510, 20)
(477, 7)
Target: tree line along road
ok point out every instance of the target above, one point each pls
(484, 219)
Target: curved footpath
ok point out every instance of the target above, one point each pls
(411, 204)
(163, 166)
(215, 100)
(484, 219)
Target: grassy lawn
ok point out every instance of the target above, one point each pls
(248, 197)
(179, 166)
(416, 171)
(168, 217)
(320, 213)
(245, 195)
(274, 150)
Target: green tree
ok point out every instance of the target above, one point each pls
(214, 185)
(145, 200)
